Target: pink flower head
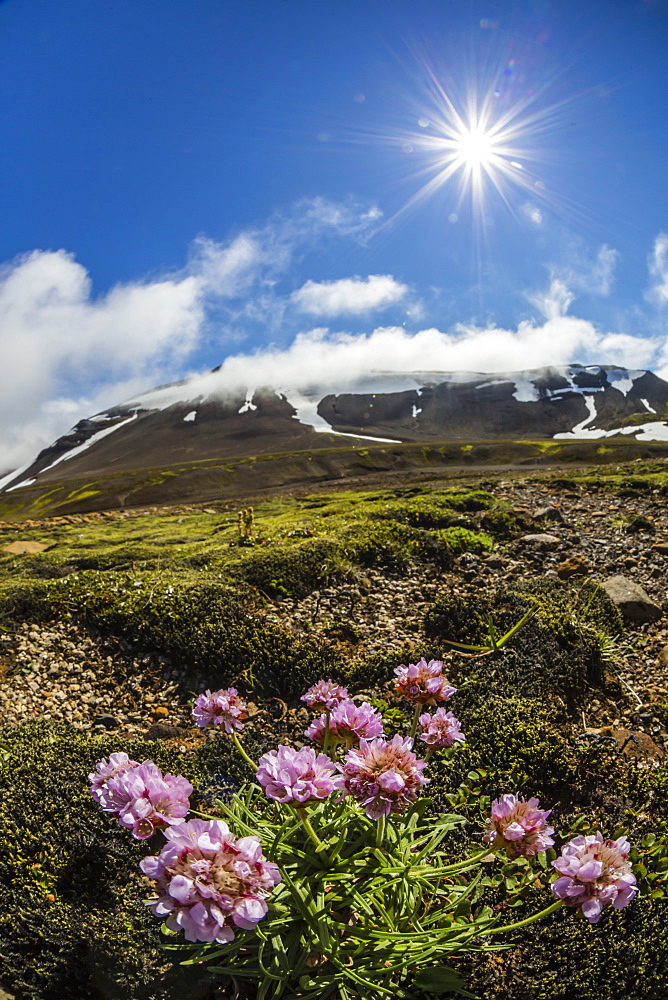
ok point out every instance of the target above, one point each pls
(117, 764)
(348, 723)
(208, 881)
(519, 826)
(143, 799)
(440, 730)
(222, 708)
(423, 683)
(383, 776)
(323, 696)
(297, 776)
(595, 873)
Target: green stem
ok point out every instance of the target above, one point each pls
(325, 742)
(237, 743)
(474, 859)
(414, 722)
(528, 920)
(380, 831)
(319, 846)
(195, 812)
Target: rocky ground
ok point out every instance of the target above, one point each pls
(63, 672)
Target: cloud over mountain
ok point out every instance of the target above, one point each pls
(66, 353)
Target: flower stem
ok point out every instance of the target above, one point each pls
(380, 831)
(237, 743)
(196, 812)
(319, 846)
(468, 862)
(528, 920)
(414, 722)
(325, 741)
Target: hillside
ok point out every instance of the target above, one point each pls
(199, 440)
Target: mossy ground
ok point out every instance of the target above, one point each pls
(185, 583)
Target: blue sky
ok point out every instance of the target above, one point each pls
(309, 188)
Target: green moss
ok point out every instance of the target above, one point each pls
(71, 896)
(293, 570)
(464, 540)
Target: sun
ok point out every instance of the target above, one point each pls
(482, 136)
(474, 147)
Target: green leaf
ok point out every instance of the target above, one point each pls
(441, 979)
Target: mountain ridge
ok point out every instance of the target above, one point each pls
(201, 418)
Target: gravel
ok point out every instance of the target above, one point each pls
(63, 671)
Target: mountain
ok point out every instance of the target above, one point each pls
(200, 419)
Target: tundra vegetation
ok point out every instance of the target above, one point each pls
(192, 584)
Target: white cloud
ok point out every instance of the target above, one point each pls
(586, 274)
(349, 296)
(658, 270)
(65, 354)
(319, 358)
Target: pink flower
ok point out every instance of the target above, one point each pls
(142, 798)
(383, 776)
(222, 708)
(348, 723)
(117, 764)
(208, 881)
(595, 873)
(440, 730)
(297, 776)
(423, 683)
(324, 696)
(519, 826)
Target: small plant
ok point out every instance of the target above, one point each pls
(245, 526)
(494, 644)
(327, 877)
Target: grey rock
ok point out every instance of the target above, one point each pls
(633, 602)
(108, 721)
(549, 514)
(541, 541)
(165, 731)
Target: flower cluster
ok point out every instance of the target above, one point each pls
(348, 723)
(595, 873)
(519, 827)
(209, 881)
(423, 683)
(139, 795)
(440, 730)
(383, 776)
(297, 776)
(324, 696)
(222, 708)
(117, 764)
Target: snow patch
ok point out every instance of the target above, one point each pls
(13, 475)
(495, 381)
(416, 410)
(26, 482)
(91, 440)
(647, 406)
(622, 379)
(190, 416)
(307, 413)
(525, 391)
(249, 404)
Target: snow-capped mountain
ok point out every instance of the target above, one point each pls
(201, 419)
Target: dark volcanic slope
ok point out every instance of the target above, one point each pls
(536, 404)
